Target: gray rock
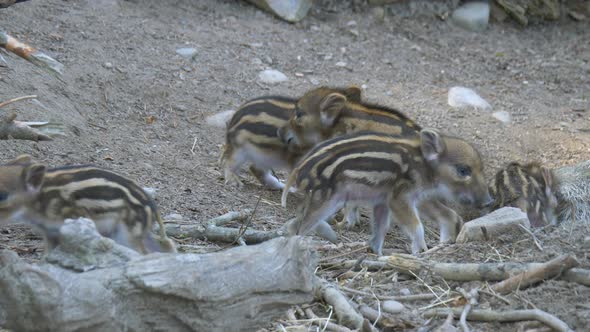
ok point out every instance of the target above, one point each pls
(272, 76)
(173, 217)
(187, 52)
(405, 292)
(461, 97)
(393, 307)
(499, 222)
(150, 191)
(502, 116)
(288, 10)
(472, 16)
(586, 243)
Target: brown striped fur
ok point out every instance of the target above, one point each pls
(323, 114)
(252, 138)
(391, 174)
(531, 187)
(119, 207)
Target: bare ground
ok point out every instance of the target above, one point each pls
(132, 105)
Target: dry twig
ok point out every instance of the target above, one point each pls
(214, 230)
(471, 298)
(327, 325)
(30, 54)
(545, 271)
(346, 313)
(504, 316)
(33, 131)
(13, 100)
(456, 271)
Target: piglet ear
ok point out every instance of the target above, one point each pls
(432, 144)
(23, 159)
(330, 108)
(34, 176)
(353, 93)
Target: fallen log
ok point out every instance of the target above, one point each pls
(242, 288)
(535, 274)
(409, 265)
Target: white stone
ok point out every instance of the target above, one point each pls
(173, 217)
(405, 292)
(393, 307)
(340, 64)
(150, 191)
(272, 76)
(460, 97)
(502, 116)
(472, 16)
(502, 221)
(187, 52)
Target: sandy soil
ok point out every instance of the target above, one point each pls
(133, 105)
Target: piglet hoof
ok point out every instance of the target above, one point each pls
(376, 249)
(418, 247)
(234, 181)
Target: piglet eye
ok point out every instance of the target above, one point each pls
(463, 171)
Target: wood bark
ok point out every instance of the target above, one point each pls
(504, 316)
(31, 54)
(455, 271)
(242, 288)
(33, 131)
(536, 274)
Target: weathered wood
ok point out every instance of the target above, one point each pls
(346, 313)
(535, 274)
(214, 230)
(506, 220)
(242, 288)
(34, 131)
(504, 316)
(31, 54)
(407, 264)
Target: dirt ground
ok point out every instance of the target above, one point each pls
(133, 105)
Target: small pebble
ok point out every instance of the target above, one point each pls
(187, 52)
(108, 65)
(150, 191)
(502, 116)
(173, 217)
(472, 16)
(586, 243)
(314, 81)
(405, 292)
(340, 64)
(272, 76)
(393, 307)
(460, 97)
